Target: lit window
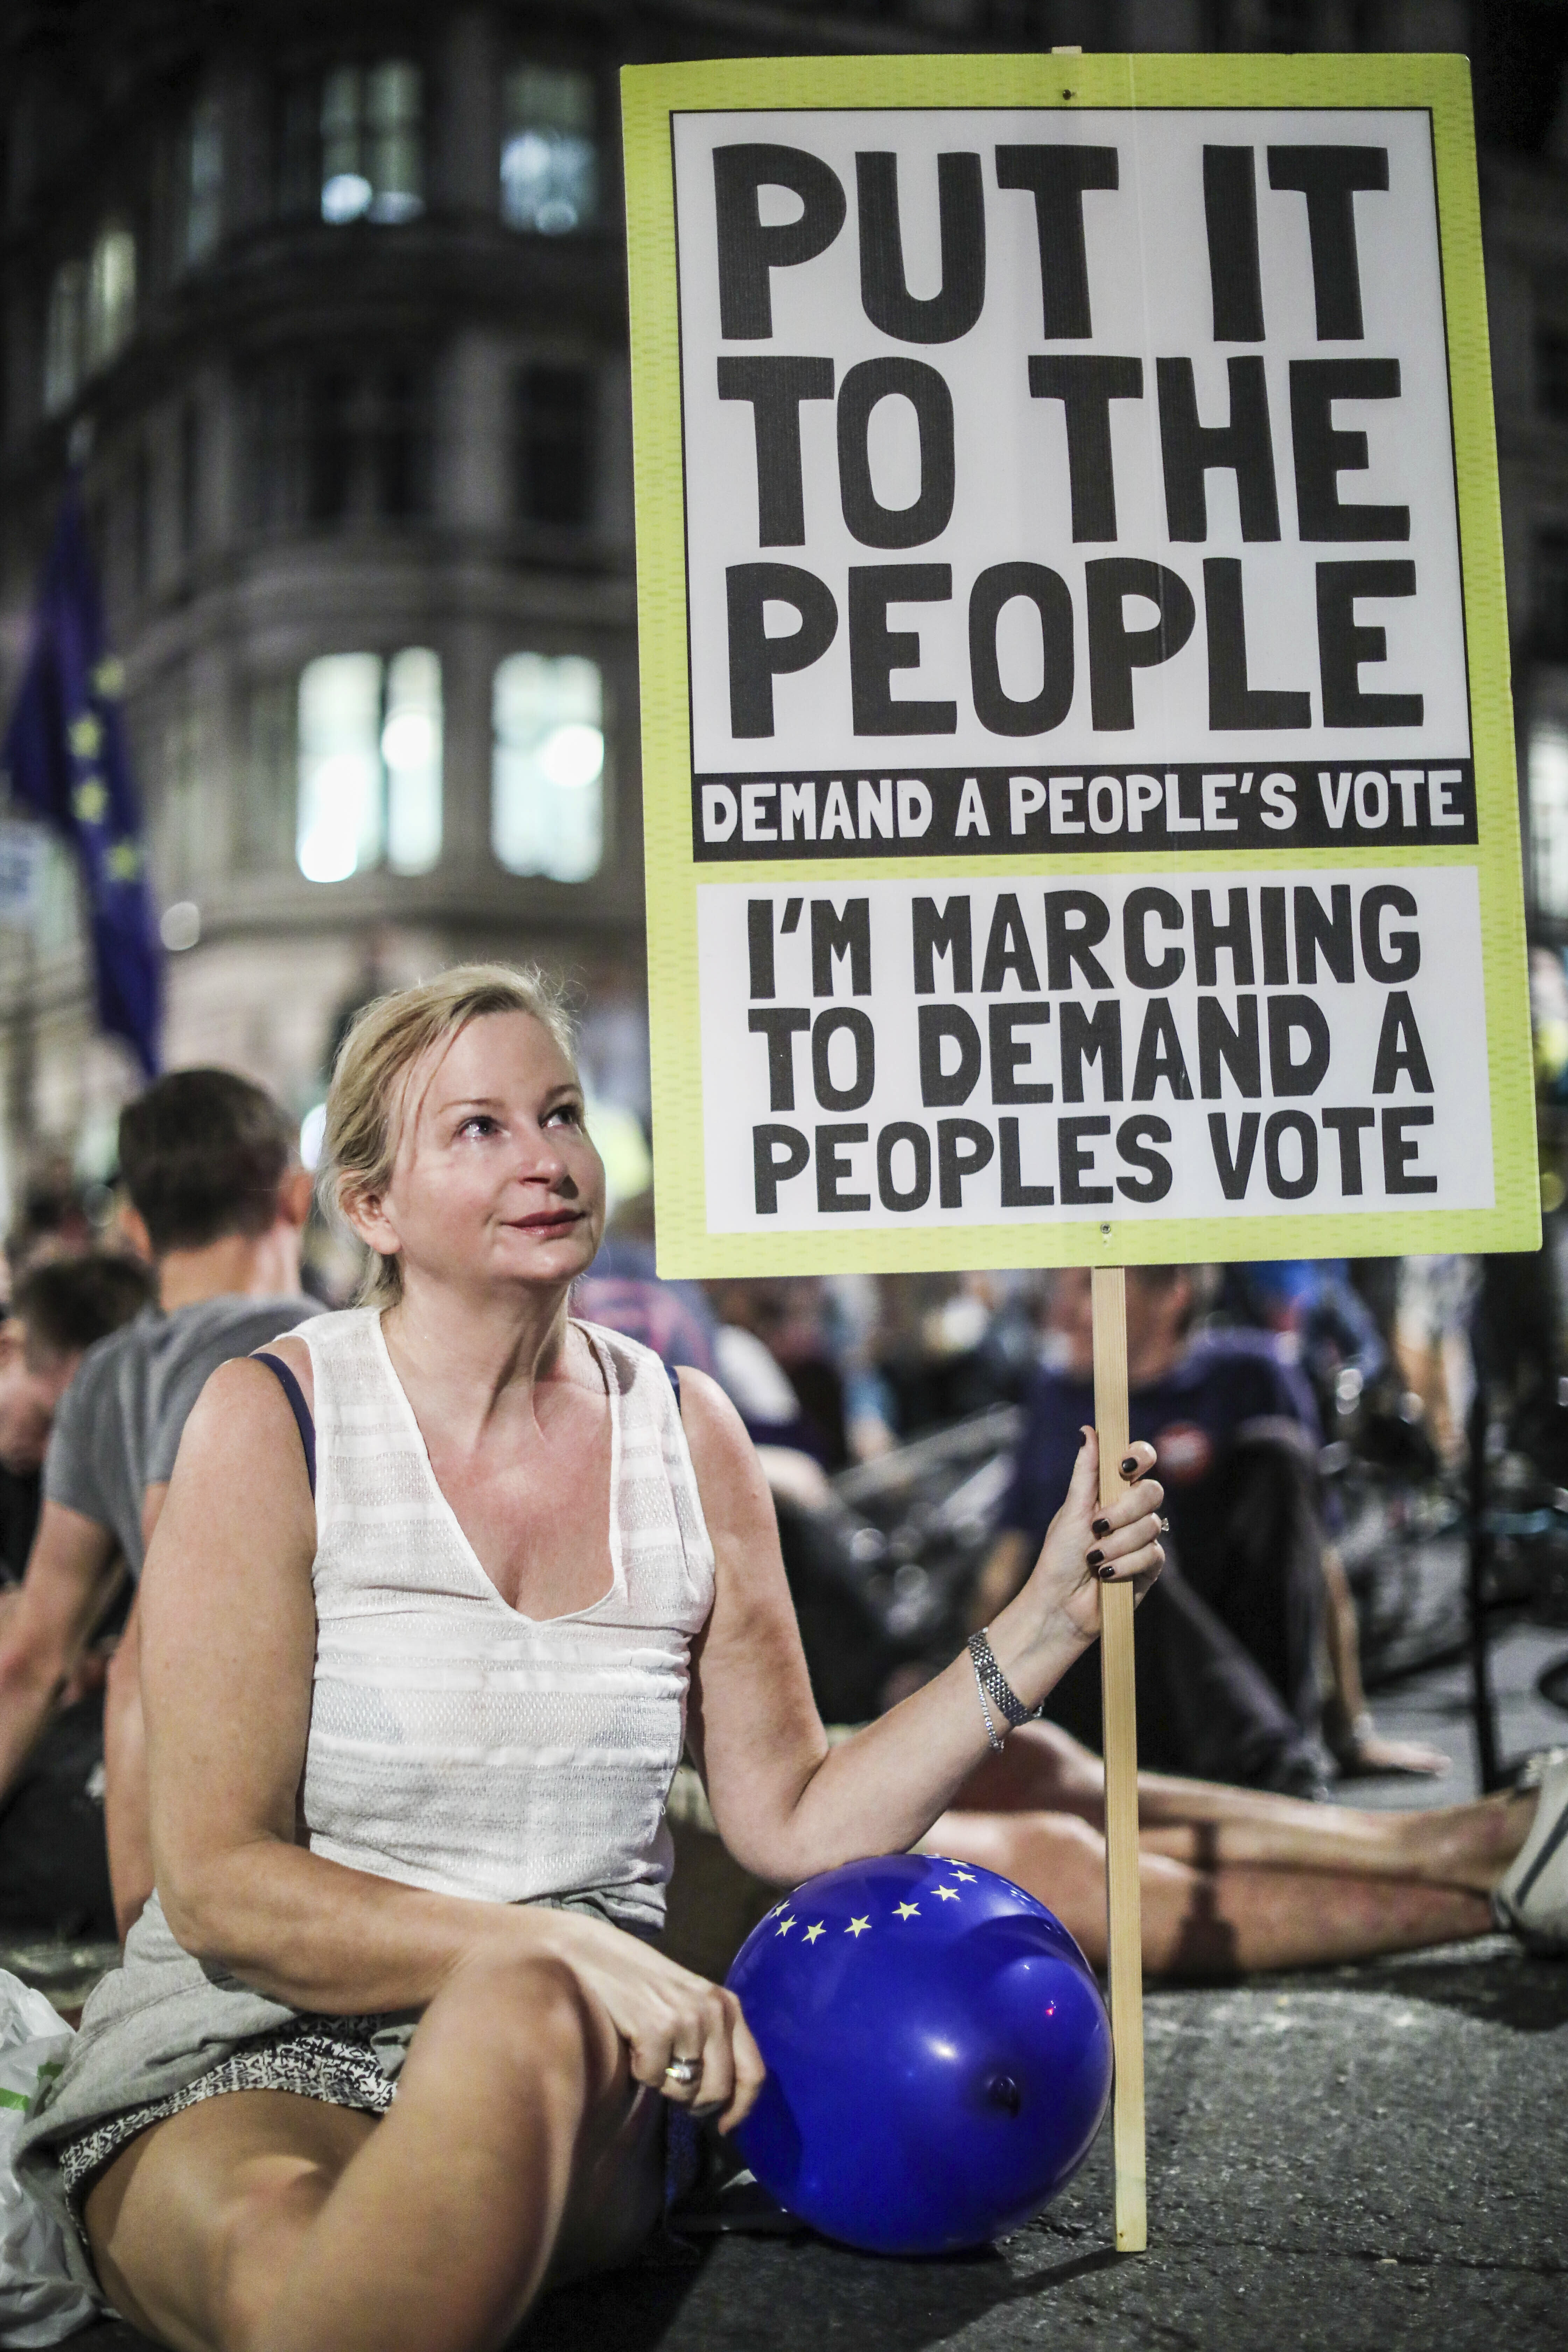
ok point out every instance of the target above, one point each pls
(373, 165)
(370, 739)
(63, 337)
(203, 179)
(110, 295)
(550, 152)
(411, 755)
(547, 777)
(1549, 817)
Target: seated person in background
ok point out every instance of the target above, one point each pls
(54, 1869)
(207, 1161)
(1233, 1880)
(52, 1220)
(624, 1290)
(1228, 1655)
(60, 1307)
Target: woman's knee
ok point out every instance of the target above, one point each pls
(1055, 1856)
(523, 2017)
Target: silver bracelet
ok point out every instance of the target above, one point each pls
(991, 1734)
(994, 1685)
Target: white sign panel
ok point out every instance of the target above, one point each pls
(959, 1051)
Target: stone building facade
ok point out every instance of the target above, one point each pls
(327, 304)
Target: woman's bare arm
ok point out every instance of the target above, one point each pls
(785, 1805)
(228, 1647)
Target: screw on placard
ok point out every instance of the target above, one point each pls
(1105, 1233)
(1067, 50)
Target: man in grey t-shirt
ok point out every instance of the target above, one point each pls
(209, 1163)
(119, 1426)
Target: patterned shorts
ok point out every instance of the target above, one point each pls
(328, 2058)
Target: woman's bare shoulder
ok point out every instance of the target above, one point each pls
(242, 1419)
(294, 1352)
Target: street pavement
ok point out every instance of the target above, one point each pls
(1362, 2161)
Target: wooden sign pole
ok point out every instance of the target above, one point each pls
(1120, 1708)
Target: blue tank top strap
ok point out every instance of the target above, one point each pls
(297, 1406)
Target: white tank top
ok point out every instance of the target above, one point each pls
(455, 1744)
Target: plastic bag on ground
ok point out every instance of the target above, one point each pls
(40, 2303)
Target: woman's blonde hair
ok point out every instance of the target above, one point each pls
(367, 1099)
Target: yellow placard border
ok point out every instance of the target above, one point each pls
(1441, 86)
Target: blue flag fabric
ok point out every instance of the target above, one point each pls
(68, 761)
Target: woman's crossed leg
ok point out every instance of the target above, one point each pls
(519, 2151)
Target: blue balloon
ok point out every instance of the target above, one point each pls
(938, 2053)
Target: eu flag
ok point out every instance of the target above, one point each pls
(66, 760)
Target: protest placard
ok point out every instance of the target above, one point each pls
(1079, 770)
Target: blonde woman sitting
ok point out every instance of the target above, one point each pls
(437, 1596)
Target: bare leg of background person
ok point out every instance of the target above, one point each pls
(519, 2151)
(1214, 1918)
(1043, 1770)
(1358, 1746)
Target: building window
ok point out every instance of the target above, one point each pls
(142, 522)
(547, 773)
(203, 160)
(550, 151)
(370, 743)
(1548, 786)
(63, 336)
(1550, 599)
(1287, 24)
(342, 445)
(1551, 371)
(554, 421)
(353, 143)
(180, 812)
(190, 481)
(367, 444)
(264, 821)
(110, 295)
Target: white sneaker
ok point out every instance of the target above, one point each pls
(1533, 1896)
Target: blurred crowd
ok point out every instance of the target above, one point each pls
(917, 1432)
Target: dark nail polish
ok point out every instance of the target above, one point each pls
(1106, 1573)
(1095, 1558)
(1100, 1527)
(1129, 1467)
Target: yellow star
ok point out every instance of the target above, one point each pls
(967, 1875)
(86, 736)
(91, 800)
(856, 1926)
(124, 861)
(907, 1911)
(947, 1894)
(812, 1933)
(108, 677)
(786, 1924)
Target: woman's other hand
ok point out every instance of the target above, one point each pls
(1085, 1546)
(667, 2017)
